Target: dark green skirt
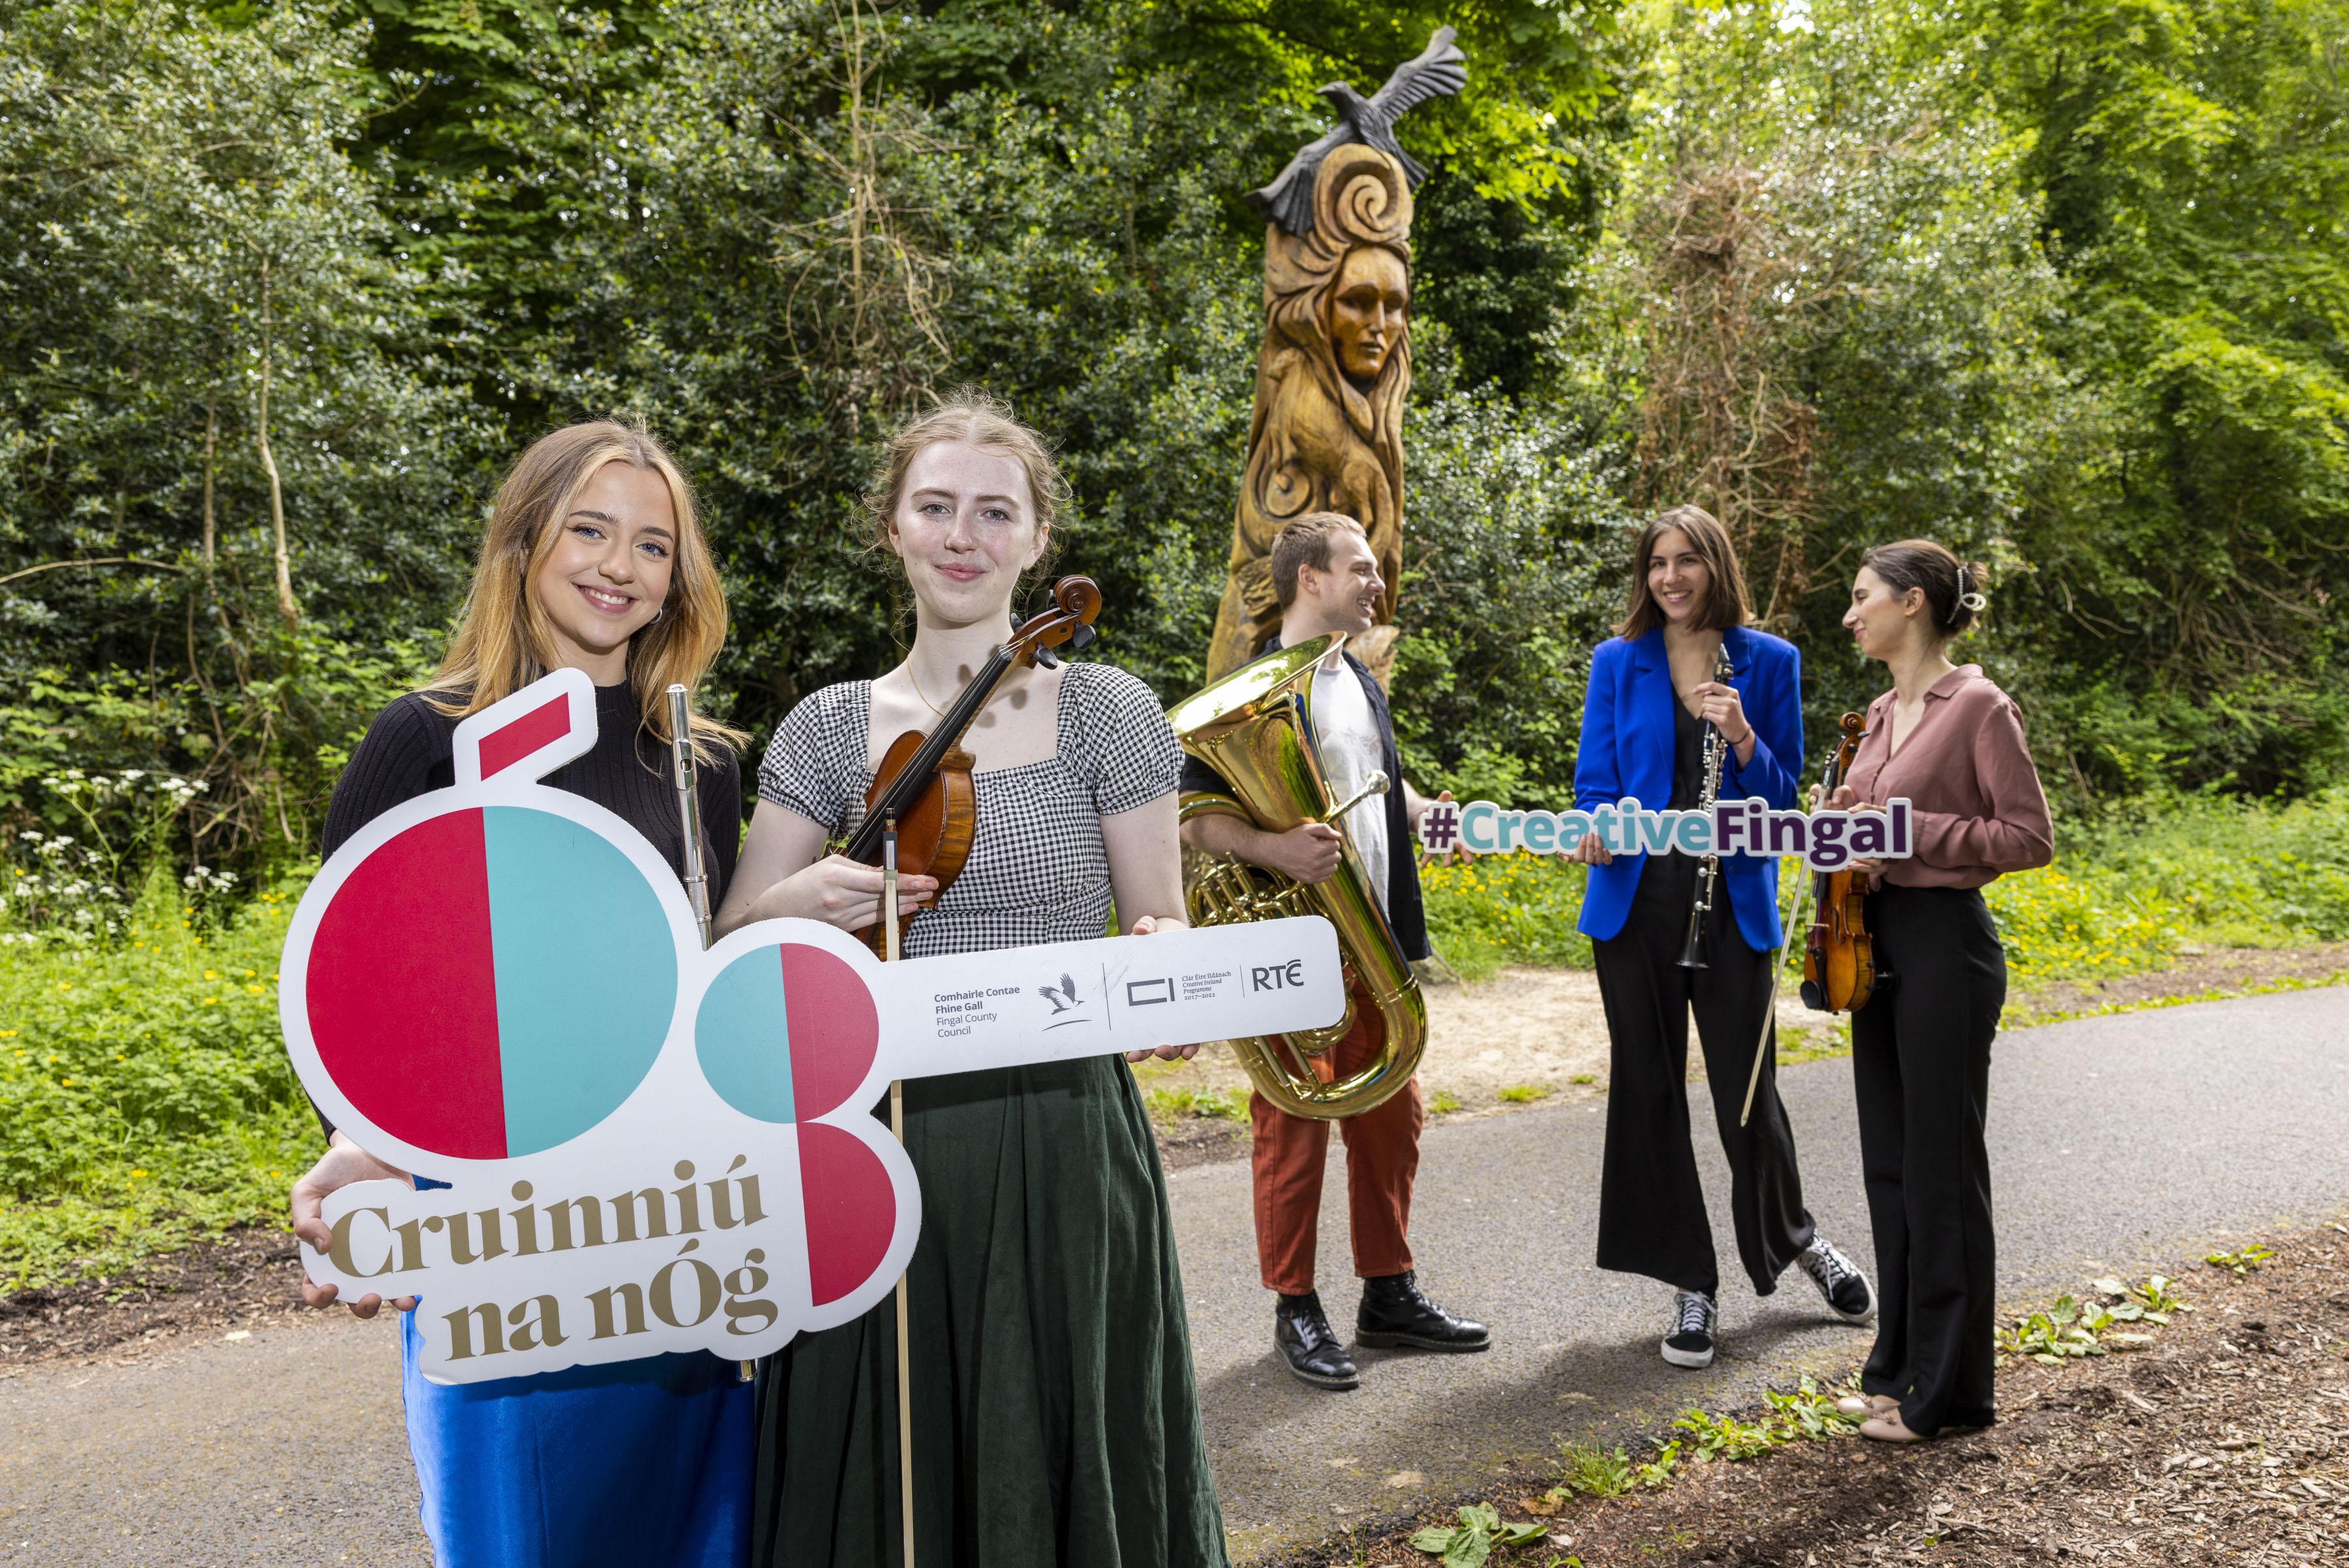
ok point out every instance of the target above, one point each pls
(1056, 1419)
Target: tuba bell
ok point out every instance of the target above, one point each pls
(1255, 728)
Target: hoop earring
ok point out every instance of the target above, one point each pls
(658, 612)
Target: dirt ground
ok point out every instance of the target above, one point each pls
(238, 1282)
(2225, 1440)
(1529, 1034)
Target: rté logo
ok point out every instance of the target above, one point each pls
(1277, 976)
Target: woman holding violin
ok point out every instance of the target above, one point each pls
(1053, 1407)
(1688, 700)
(1950, 742)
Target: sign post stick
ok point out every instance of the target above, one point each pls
(697, 870)
(891, 953)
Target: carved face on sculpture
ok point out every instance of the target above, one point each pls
(1368, 308)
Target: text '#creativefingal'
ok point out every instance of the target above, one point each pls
(1824, 840)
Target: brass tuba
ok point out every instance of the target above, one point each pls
(1255, 728)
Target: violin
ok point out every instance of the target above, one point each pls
(922, 785)
(1839, 957)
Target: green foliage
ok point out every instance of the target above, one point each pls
(1480, 1532)
(1594, 1471)
(2137, 886)
(1513, 908)
(2153, 1301)
(144, 1095)
(2194, 158)
(1805, 1414)
(1510, 577)
(2061, 284)
(1712, 1437)
(200, 282)
(1525, 1093)
(2242, 1261)
(1210, 1104)
(2071, 1328)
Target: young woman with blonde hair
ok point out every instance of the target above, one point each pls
(594, 559)
(1055, 1416)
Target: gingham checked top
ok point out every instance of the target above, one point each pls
(1038, 870)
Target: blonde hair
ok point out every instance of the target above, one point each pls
(505, 639)
(1305, 543)
(970, 417)
(1726, 603)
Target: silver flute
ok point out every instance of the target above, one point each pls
(689, 809)
(1696, 952)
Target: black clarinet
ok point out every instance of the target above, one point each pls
(1695, 952)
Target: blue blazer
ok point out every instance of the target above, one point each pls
(1626, 749)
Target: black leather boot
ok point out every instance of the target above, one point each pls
(1301, 1331)
(1393, 1314)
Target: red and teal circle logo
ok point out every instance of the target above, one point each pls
(785, 1034)
(490, 982)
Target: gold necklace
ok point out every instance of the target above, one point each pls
(915, 681)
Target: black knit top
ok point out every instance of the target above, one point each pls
(407, 751)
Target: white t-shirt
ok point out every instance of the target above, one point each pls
(1351, 751)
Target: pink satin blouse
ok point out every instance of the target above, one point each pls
(1967, 774)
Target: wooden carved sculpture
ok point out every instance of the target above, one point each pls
(1336, 361)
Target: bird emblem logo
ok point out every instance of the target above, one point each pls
(1063, 999)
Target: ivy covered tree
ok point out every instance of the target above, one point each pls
(225, 444)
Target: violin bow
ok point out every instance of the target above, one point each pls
(1770, 1011)
(891, 953)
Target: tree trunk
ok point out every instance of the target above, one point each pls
(287, 606)
(212, 431)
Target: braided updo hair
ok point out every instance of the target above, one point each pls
(1953, 589)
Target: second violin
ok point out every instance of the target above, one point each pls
(1838, 957)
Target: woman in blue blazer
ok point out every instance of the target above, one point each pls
(1651, 694)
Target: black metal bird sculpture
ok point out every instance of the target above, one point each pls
(1439, 71)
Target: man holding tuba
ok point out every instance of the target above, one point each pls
(1326, 580)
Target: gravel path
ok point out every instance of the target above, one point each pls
(2115, 1139)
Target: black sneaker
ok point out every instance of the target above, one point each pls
(1844, 1288)
(1301, 1333)
(1694, 1319)
(1394, 1313)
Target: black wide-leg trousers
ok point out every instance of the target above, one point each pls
(1921, 1066)
(1651, 1213)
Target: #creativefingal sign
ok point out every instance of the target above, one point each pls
(648, 1147)
(1824, 840)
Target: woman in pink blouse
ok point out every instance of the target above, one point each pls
(1951, 743)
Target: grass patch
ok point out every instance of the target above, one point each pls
(1200, 1104)
(1442, 1103)
(1525, 1093)
(1594, 1471)
(145, 1095)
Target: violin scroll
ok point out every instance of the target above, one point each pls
(1070, 623)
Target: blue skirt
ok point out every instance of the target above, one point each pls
(643, 1462)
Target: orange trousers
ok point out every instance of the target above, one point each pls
(1381, 1160)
